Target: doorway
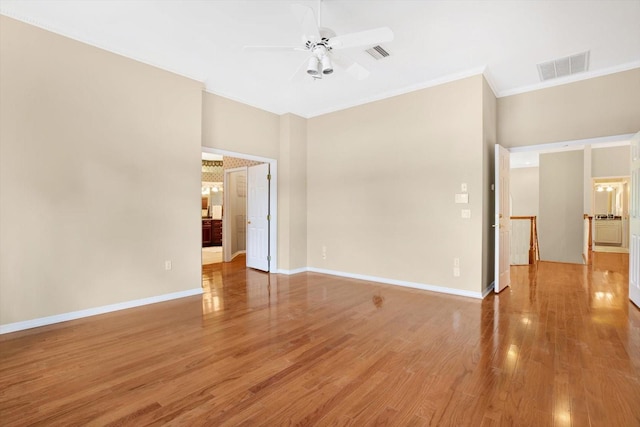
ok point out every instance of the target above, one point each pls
(240, 162)
(603, 159)
(610, 207)
(235, 204)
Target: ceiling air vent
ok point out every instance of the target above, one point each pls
(377, 52)
(562, 67)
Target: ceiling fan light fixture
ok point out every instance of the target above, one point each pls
(327, 67)
(314, 66)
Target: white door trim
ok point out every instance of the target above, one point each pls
(257, 219)
(502, 220)
(226, 225)
(634, 223)
(273, 198)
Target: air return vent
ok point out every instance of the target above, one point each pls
(377, 52)
(564, 66)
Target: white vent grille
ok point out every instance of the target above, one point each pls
(562, 67)
(377, 52)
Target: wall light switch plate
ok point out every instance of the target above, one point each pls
(463, 187)
(465, 213)
(462, 198)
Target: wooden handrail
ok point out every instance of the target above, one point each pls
(534, 249)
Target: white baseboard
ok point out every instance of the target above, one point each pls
(488, 290)
(424, 287)
(294, 271)
(64, 317)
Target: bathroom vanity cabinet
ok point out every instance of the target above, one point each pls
(608, 231)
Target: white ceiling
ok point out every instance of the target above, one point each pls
(435, 42)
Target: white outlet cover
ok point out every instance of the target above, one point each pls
(465, 213)
(456, 272)
(462, 198)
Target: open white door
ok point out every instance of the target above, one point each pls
(258, 217)
(502, 222)
(634, 223)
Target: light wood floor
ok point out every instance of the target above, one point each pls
(560, 347)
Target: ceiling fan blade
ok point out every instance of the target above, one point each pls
(273, 48)
(362, 38)
(354, 69)
(310, 31)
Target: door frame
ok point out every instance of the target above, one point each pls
(577, 144)
(634, 222)
(502, 220)
(227, 256)
(273, 198)
(625, 221)
(256, 177)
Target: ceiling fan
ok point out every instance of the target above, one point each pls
(320, 44)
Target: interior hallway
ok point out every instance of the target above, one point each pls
(211, 255)
(560, 347)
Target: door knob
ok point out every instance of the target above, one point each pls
(248, 222)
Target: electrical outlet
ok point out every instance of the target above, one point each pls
(465, 213)
(456, 262)
(462, 198)
(167, 265)
(324, 252)
(456, 271)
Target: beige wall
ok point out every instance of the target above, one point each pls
(233, 126)
(373, 184)
(560, 224)
(611, 161)
(292, 193)
(489, 128)
(381, 184)
(602, 106)
(524, 191)
(117, 147)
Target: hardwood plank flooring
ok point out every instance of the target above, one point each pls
(560, 347)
